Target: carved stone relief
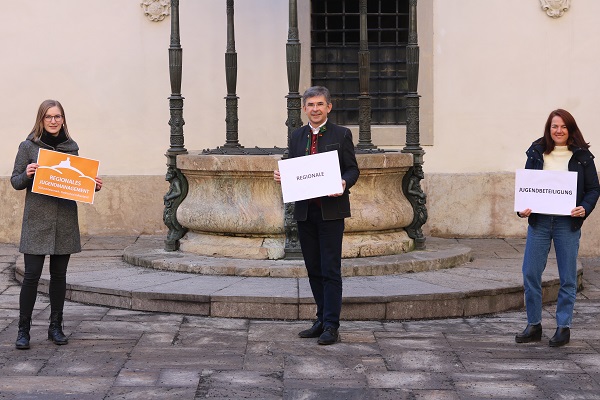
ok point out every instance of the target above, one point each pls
(156, 10)
(555, 8)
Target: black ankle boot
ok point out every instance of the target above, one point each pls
(561, 337)
(55, 332)
(23, 337)
(533, 333)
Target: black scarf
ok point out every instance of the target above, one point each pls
(52, 140)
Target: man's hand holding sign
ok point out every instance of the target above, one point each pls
(310, 177)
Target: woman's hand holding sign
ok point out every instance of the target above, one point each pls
(525, 213)
(578, 212)
(30, 170)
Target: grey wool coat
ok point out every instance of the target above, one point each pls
(50, 225)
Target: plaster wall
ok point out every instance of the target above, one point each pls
(108, 65)
(109, 68)
(490, 73)
(500, 67)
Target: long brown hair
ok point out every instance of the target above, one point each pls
(575, 137)
(38, 128)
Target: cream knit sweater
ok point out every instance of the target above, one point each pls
(558, 159)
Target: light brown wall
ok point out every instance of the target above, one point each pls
(127, 205)
(459, 205)
(482, 205)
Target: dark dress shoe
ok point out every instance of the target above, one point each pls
(329, 336)
(533, 333)
(314, 331)
(561, 337)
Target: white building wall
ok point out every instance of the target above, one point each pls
(491, 71)
(108, 65)
(500, 67)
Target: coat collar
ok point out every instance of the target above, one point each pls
(68, 145)
(579, 153)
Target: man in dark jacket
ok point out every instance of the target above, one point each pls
(321, 220)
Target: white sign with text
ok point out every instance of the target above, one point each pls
(545, 192)
(310, 176)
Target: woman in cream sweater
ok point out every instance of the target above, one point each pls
(561, 148)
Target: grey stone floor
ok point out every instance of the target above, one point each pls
(124, 354)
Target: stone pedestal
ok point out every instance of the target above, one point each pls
(234, 207)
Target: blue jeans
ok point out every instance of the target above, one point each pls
(550, 228)
(321, 243)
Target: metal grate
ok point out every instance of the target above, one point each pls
(335, 38)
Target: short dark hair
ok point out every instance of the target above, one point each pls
(575, 136)
(316, 91)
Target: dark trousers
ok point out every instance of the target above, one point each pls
(321, 243)
(58, 282)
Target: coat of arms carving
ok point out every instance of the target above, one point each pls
(555, 8)
(156, 10)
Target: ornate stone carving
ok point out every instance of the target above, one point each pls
(177, 192)
(411, 186)
(156, 10)
(555, 8)
(291, 245)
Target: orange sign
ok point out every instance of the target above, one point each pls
(65, 176)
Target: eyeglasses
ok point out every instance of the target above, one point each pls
(57, 118)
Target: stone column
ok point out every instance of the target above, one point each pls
(177, 183)
(176, 99)
(294, 121)
(364, 74)
(231, 100)
(411, 182)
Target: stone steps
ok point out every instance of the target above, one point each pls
(422, 284)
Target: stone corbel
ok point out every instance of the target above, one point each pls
(555, 8)
(156, 10)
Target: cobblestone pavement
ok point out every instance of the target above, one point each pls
(120, 354)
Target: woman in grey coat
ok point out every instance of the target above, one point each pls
(50, 225)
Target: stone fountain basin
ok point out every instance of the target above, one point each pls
(234, 208)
